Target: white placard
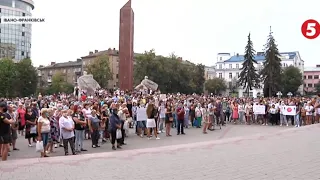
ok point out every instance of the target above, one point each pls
(290, 110)
(141, 114)
(259, 109)
(163, 97)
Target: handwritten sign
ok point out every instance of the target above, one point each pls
(259, 109)
(289, 110)
(141, 114)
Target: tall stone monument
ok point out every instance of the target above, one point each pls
(126, 53)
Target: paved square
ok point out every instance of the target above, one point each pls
(272, 154)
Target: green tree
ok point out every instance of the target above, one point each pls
(291, 79)
(249, 78)
(8, 76)
(271, 73)
(170, 73)
(26, 81)
(215, 85)
(59, 84)
(100, 69)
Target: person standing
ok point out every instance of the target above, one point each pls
(80, 124)
(66, 125)
(180, 119)
(43, 130)
(115, 124)
(4, 131)
(94, 126)
(151, 122)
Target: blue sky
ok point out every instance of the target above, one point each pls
(194, 30)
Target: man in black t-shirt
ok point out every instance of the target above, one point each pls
(79, 127)
(4, 131)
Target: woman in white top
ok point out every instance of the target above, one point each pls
(241, 110)
(309, 109)
(162, 117)
(44, 129)
(86, 111)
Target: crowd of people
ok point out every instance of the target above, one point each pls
(67, 120)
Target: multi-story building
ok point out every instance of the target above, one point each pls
(311, 77)
(209, 72)
(71, 71)
(228, 67)
(15, 39)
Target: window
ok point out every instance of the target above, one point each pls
(230, 66)
(220, 66)
(23, 14)
(220, 75)
(304, 77)
(23, 33)
(305, 85)
(23, 25)
(64, 71)
(117, 76)
(237, 74)
(309, 85)
(316, 77)
(230, 85)
(22, 53)
(0, 30)
(230, 75)
(22, 43)
(309, 77)
(220, 58)
(237, 66)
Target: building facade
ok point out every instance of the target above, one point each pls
(15, 39)
(209, 72)
(71, 71)
(228, 67)
(311, 77)
(126, 53)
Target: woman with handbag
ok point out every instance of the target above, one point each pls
(31, 126)
(169, 118)
(151, 122)
(115, 126)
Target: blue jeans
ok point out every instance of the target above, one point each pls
(180, 126)
(297, 120)
(45, 138)
(79, 134)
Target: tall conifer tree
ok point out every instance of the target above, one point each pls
(271, 72)
(249, 77)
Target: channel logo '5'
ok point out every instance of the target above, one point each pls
(310, 29)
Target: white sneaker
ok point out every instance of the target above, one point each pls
(30, 145)
(157, 138)
(280, 124)
(287, 124)
(141, 135)
(263, 124)
(298, 125)
(149, 138)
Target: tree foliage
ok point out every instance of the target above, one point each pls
(100, 70)
(170, 73)
(271, 73)
(59, 85)
(249, 78)
(215, 85)
(291, 79)
(27, 78)
(17, 79)
(8, 77)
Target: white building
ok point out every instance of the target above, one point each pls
(209, 72)
(228, 67)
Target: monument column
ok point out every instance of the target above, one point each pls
(126, 53)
